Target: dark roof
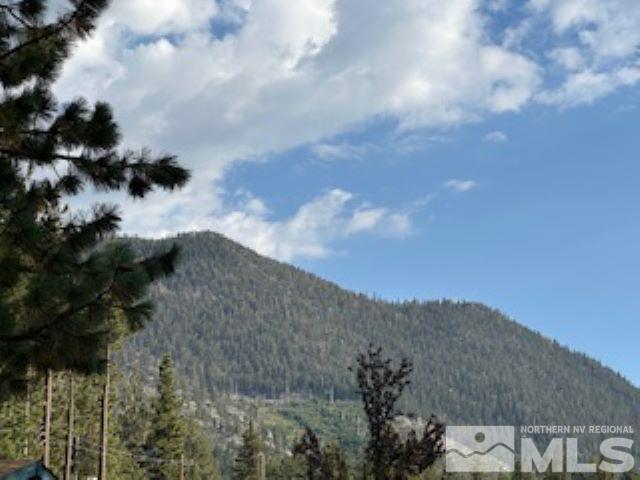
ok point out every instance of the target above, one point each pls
(10, 466)
(23, 469)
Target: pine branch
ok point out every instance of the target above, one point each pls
(35, 332)
(62, 25)
(154, 267)
(10, 10)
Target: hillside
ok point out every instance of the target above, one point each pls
(236, 321)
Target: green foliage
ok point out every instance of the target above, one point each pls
(135, 415)
(338, 422)
(308, 448)
(248, 461)
(130, 426)
(328, 463)
(388, 456)
(235, 321)
(21, 426)
(66, 291)
(201, 464)
(166, 440)
(286, 468)
(336, 465)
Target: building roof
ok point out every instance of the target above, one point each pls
(10, 466)
(19, 469)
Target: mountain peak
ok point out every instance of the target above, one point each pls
(236, 321)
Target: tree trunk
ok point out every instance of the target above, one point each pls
(104, 429)
(262, 466)
(27, 421)
(182, 466)
(47, 418)
(70, 419)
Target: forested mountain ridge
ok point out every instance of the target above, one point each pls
(233, 320)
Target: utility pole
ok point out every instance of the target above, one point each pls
(70, 421)
(104, 428)
(47, 417)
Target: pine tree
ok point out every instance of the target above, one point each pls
(308, 447)
(286, 468)
(328, 463)
(134, 415)
(247, 464)
(166, 441)
(65, 290)
(380, 386)
(121, 459)
(336, 466)
(201, 464)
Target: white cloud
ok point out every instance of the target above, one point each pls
(603, 54)
(286, 74)
(496, 137)
(294, 72)
(460, 186)
(568, 58)
(163, 16)
(587, 86)
(310, 232)
(609, 28)
(339, 151)
(313, 228)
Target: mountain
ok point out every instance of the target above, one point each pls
(236, 321)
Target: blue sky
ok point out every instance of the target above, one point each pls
(474, 149)
(549, 235)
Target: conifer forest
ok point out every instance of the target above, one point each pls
(192, 356)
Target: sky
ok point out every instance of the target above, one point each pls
(467, 149)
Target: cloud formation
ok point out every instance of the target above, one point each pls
(496, 136)
(460, 186)
(221, 82)
(313, 228)
(599, 48)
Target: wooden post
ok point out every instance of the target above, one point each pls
(47, 417)
(181, 465)
(70, 422)
(104, 428)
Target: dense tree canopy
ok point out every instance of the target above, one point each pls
(66, 290)
(235, 321)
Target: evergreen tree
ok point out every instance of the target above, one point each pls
(286, 468)
(121, 458)
(335, 466)
(380, 386)
(21, 436)
(247, 464)
(308, 447)
(199, 453)
(166, 441)
(328, 463)
(134, 415)
(65, 291)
